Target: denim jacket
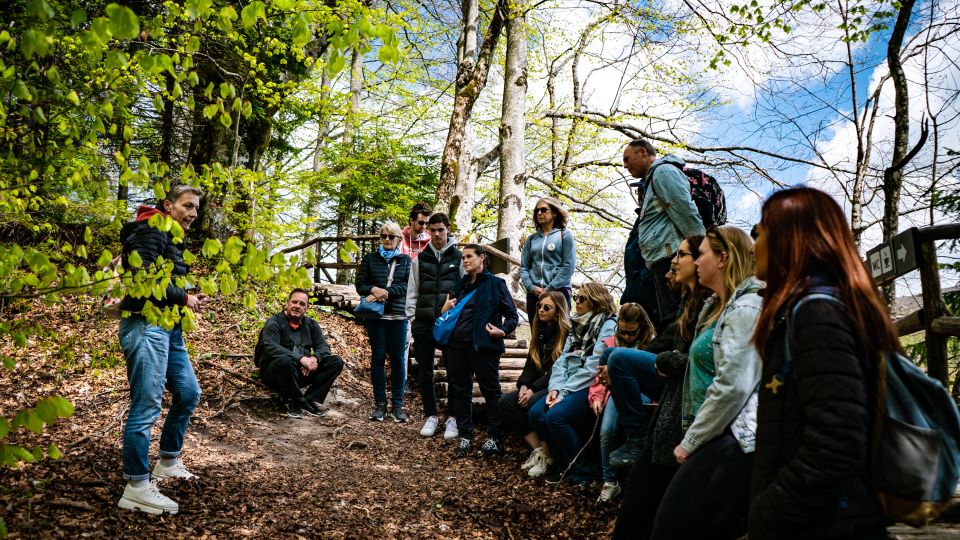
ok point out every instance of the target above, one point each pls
(572, 372)
(732, 396)
(667, 213)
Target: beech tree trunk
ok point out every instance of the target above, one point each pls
(513, 177)
(345, 209)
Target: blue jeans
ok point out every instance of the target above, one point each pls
(633, 376)
(155, 358)
(608, 439)
(388, 337)
(563, 427)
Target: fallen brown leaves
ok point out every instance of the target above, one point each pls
(261, 475)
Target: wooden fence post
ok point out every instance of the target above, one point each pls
(933, 307)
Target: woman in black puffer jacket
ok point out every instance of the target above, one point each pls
(809, 476)
(387, 333)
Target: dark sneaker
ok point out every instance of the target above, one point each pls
(399, 415)
(379, 412)
(309, 407)
(490, 448)
(295, 410)
(463, 448)
(628, 454)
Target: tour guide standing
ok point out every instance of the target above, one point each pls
(549, 256)
(156, 356)
(666, 216)
(433, 275)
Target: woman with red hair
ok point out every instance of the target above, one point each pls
(810, 465)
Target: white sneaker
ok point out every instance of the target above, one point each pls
(533, 459)
(147, 499)
(177, 470)
(540, 469)
(430, 426)
(609, 491)
(451, 431)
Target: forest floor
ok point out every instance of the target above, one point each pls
(261, 474)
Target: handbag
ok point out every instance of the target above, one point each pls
(373, 309)
(446, 322)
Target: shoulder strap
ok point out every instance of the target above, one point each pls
(393, 266)
(826, 294)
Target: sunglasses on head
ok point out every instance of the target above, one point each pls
(715, 232)
(541, 210)
(627, 333)
(544, 307)
(388, 236)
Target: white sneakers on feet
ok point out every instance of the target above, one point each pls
(177, 470)
(609, 491)
(430, 426)
(451, 431)
(541, 467)
(147, 498)
(534, 458)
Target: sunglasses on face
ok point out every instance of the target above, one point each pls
(580, 298)
(546, 308)
(627, 333)
(541, 210)
(422, 223)
(714, 231)
(388, 237)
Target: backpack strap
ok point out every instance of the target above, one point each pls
(826, 294)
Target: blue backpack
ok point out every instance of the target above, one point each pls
(914, 458)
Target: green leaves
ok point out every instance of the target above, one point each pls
(46, 411)
(35, 43)
(198, 9)
(250, 14)
(123, 22)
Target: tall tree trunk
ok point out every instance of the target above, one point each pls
(470, 82)
(513, 178)
(314, 203)
(893, 175)
(461, 203)
(346, 224)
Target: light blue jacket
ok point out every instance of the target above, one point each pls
(732, 396)
(548, 261)
(667, 213)
(572, 372)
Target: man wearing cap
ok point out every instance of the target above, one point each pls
(667, 215)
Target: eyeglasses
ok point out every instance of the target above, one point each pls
(580, 298)
(388, 237)
(627, 333)
(421, 223)
(541, 210)
(544, 307)
(681, 254)
(715, 232)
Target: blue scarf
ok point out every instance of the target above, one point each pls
(388, 254)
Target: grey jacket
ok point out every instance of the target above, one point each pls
(571, 371)
(731, 398)
(667, 213)
(549, 260)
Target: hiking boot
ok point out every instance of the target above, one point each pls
(541, 467)
(399, 415)
(379, 412)
(430, 427)
(450, 431)
(311, 408)
(609, 492)
(295, 410)
(534, 458)
(176, 470)
(628, 454)
(463, 447)
(147, 498)
(490, 448)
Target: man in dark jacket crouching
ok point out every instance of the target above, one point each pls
(292, 353)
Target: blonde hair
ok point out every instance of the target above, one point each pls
(740, 262)
(563, 328)
(632, 313)
(391, 227)
(598, 294)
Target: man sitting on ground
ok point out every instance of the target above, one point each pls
(292, 353)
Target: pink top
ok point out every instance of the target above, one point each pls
(598, 392)
(413, 246)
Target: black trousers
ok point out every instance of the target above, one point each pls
(424, 349)
(642, 491)
(668, 301)
(714, 486)
(463, 362)
(285, 377)
(515, 417)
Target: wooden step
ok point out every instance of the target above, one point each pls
(505, 387)
(505, 363)
(440, 375)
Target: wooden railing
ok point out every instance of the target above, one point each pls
(916, 249)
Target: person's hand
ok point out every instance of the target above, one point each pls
(494, 332)
(539, 291)
(603, 376)
(523, 396)
(196, 302)
(598, 407)
(381, 295)
(308, 363)
(681, 454)
(448, 305)
(553, 398)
